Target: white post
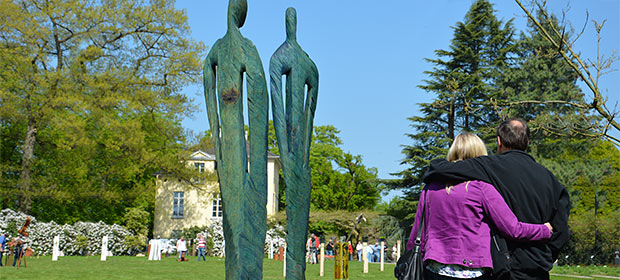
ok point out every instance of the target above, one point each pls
(271, 249)
(382, 254)
(104, 248)
(55, 249)
(365, 257)
(397, 250)
(284, 269)
(322, 259)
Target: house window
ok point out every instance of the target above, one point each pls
(177, 204)
(200, 166)
(217, 207)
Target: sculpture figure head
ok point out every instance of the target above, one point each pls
(237, 10)
(291, 23)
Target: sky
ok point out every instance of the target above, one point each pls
(371, 58)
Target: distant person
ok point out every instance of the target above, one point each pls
(314, 245)
(394, 252)
(456, 232)
(359, 248)
(3, 240)
(350, 249)
(182, 249)
(329, 248)
(19, 246)
(202, 246)
(529, 189)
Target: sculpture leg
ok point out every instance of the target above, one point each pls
(297, 212)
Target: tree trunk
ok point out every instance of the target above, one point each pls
(25, 180)
(451, 120)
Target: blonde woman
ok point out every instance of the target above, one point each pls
(456, 233)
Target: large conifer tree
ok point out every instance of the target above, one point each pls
(462, 80)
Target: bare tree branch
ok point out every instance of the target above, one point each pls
(580, 68)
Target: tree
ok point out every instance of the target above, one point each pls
(340, 181)
(462, 80)
(590, 171)
(540, 87)
(93, 89)
(583, 68)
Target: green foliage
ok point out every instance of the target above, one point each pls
(12, 228)
(485, 76)
(81, 242)
(92, 104)
(340, 181)
(134, 241)
(343, 223)
(462, 80)
(192, 232)
(590, 170)
(541, 88)
(137, 220)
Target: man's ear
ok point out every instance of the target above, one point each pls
(500, 146)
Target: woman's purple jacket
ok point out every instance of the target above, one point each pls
(456, 225)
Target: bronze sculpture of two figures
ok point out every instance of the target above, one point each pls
(243, 176)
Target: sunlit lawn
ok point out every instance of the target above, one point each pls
(140, 268)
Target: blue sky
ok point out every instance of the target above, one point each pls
(370, 56)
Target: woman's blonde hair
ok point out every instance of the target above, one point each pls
(465, 146)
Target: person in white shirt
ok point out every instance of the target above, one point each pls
(359, 248)
(181, 248)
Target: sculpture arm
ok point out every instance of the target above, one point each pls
(258, 108)
(276, 70)
(209, 78)
(311, 100)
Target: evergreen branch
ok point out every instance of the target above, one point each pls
(545, 102)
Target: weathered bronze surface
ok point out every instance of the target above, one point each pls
(243, 186)
(293, 126)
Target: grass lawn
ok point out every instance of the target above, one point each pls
(123, 267)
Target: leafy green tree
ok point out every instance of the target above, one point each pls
(94, 101)
(340, 181)
(462, 79)
(590, 170)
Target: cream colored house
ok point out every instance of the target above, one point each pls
(179, 206)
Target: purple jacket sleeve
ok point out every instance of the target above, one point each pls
(506, 222)
(416, 224)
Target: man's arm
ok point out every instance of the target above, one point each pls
(471, 169)
(559, 221)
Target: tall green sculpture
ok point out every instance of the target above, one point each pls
(293, 125)
(243, 184)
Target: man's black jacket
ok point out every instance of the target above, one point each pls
(530, 190)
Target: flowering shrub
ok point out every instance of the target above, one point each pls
(81, 238)
(275, 235)
(214, 235)
(84, 238)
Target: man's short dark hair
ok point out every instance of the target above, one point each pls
(514, 134)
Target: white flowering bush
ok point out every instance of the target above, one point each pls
(275, 235)
(81, 238)
(214, 234)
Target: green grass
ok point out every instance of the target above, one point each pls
(140, 268)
